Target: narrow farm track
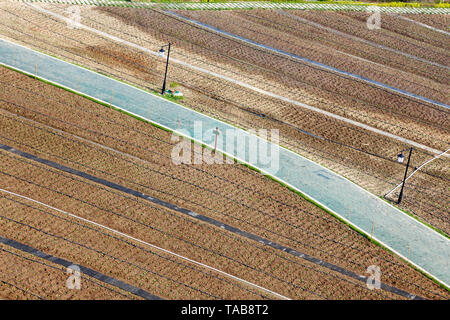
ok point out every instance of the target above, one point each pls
(24, 92)
(340, 43)
(170, 194)
(439, 23)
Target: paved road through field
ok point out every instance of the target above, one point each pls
(429, 250)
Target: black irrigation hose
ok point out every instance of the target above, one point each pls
(332, 141)
(245, 242)
(198, 169)
(10, 241)
(273, 232)
(424, 172)
(112, 137)
(78, 180)
(189, 167)
(253, 225)
(303, 210)
(243, 264)
(106, 254)
(194, 222)
(202, 218)
(21, 289)
(391, 262)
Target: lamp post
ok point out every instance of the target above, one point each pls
(400, 159)
(161, 54)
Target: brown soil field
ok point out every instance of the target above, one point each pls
(241, 197)
(25, 276)
(366, 158)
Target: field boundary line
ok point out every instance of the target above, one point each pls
(87, 271)
(202, 218)
(139, 240)
(245, 85)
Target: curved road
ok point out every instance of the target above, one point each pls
(429, 250)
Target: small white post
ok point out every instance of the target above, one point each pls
(216, 132)
(371, 235)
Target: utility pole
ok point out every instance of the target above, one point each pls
(404, 178)
(167, 65)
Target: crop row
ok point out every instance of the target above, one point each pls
(298, 71)
(197, 245)
(156, 225)
(288, 35)
(439, 21)
(405, 29)
(256, 101)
